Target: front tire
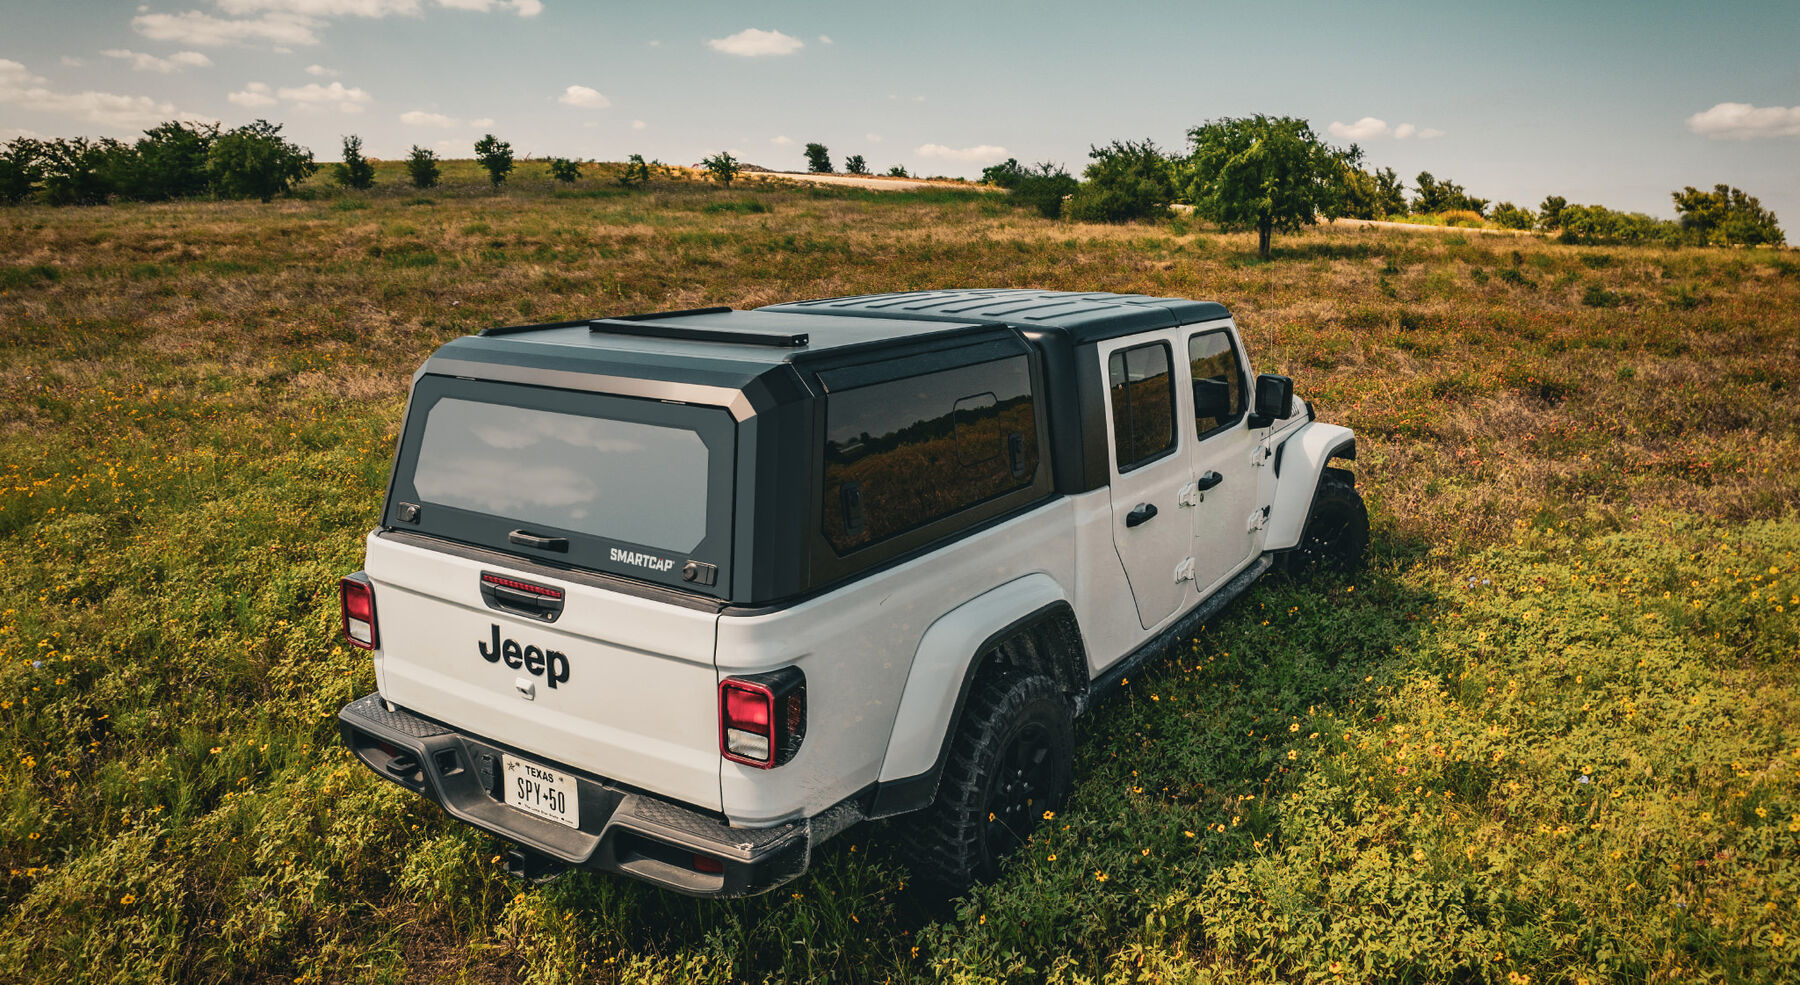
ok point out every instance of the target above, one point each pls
(1337, 530)
(1011, 760)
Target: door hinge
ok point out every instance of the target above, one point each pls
(1260, 455)
(1185, 570)
(1259, 518)
(1188, 496)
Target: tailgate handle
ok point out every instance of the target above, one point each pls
(521, 597)
(525, 538)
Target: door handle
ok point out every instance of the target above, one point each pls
(1143, 513)
(525, 538)
(1209, 480)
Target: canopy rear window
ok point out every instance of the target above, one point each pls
(630, 486)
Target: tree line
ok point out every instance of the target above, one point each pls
(1270, 174)
(1274, 174)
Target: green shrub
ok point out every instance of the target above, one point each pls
(495, 157)
(254, 161)
(1506, 215)
(170, 162)
(636, 172)
(354, 171)
(1127, 180)
(564, 169)
(1595, 296)
(1043, 187)
(422, 167)
(898, 171)
(818, 159)
(721, 167)
(854, 164)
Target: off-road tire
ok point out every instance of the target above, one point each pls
(1011, 760)
(1336, 537)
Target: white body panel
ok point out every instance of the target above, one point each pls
(1301, 463)
(856, 646)
(640, 705)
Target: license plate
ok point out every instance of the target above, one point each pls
(541, 792)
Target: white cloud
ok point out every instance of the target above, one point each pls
(1742, 121)
(482, 121)
(583, 97)
(826, 39)
(334, 96)
(1404, 130)
(1430, 134)
(207, 31)
(19, 88)
(150, 63)
(639, 125)
(873, 138)
(420, 118)
(253, 95)
(321, 8)
(1366, 128)
(14, 74)
(321, 71)
(781, 141)
(753, 43)
(524, 8)
(72, 62)
(977, 153)
(654, 44)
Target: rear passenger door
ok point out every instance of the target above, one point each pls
(1151, 469)
(1225, 507)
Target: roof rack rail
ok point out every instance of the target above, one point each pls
(646, 326)
(515, 329)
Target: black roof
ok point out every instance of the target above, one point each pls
(1084, 317)
(722, 347)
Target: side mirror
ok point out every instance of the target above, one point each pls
(1274, 400)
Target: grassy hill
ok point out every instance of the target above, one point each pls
(1548, 737)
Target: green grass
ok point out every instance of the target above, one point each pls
(1548, 735)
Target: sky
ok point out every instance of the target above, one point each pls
(1603, 102)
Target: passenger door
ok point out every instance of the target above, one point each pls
(1151, 470)
(1226, 458)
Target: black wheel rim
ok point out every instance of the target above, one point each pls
(1327, 543)
(1022, 783)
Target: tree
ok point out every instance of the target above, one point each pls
(83, 171)
(170, 162)
(1044, 187)
(422, 167)
(1444, 196)
(21, 169)
(354, 171)
(722, 166)
(1726, 216)
(564, 170)
(1506, 215)
(818, 159)
(1127, 180)
(253, 161)
(1550, 212)
(637, 171)
(854, 164)
(496, 156)
(1263, 173)
(1006, 174)
(898, 171)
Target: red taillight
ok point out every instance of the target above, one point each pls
(762, 718)
(358, 598)
(706, 863)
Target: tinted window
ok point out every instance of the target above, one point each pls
(901, 454)
(1143, 403)
(622, 480)
(1218, 381)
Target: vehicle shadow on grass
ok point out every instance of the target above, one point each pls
(1198, 741)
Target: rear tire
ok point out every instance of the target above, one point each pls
(1011, 760)
(1337, 530)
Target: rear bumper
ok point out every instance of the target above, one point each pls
(622, 830)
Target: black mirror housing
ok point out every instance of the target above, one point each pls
(1274, 400)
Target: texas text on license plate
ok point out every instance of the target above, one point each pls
(541, 792)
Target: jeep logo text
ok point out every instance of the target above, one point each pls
(550, 664)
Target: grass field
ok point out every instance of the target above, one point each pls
(1549, 736)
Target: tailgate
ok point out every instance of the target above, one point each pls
(637, 700)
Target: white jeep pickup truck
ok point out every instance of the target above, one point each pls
(683, 595)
